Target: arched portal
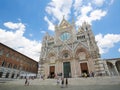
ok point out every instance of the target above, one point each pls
(13, 75)
(1, 73)
(7, 75)
(51, 57)
(118, 66)
(84, 68)
(111, 69)
(67, 69)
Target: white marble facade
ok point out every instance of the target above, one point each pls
(69, 52)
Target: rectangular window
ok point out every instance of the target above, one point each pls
(80, 37)
(1, 52)
(50, 43)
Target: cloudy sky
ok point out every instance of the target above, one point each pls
(23, 23)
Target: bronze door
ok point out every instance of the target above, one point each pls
(84, 68)
(52, 71)
(67, 69)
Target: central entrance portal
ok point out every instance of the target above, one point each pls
(84, 68)
(52, 71)
(67, 69)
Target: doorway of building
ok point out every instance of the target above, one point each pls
(1, 73)
(84, 68)
(52, 72)
(67, 69)
(13, 75)
(7, 75)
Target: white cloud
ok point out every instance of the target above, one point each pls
(16, 40)
(50, 24)
(119, 50)
(76, 6)
(11, 25)
(99, 2)
(43, 31)
(94, 15)
(82, 10)
(58, 8)
(30, 35)
(111, 2)
(97, 14)
(86, 9)
(107, 41)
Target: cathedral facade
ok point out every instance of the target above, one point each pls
(69, 52)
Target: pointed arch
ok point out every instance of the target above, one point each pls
(80, 44)
(111, 68)
(66, 54)
(51, 52)
(81, 52)
(118, 66)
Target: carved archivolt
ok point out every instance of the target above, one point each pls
(81, 53)
(65, 54)
(51, 58)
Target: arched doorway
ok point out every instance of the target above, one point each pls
(84, 68)
(111, 69)
(7, 75)
(118, 66)
(67, 69)
(52, 71)
(12, 75)
(1, 73)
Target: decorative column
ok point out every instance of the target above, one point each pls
(106, 69)
(75, 69)
(116, 69)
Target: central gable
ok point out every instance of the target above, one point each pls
(64, 24)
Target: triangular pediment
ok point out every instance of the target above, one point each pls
(64, 24)
(81, 30)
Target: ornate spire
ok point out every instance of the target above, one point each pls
(63, 16)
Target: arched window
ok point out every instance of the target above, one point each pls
(15, 66)
(10, 65)
(1, 51)
(65, 55)
(4, 63)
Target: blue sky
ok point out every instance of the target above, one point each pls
(23, 23)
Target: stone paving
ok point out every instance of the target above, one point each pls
(55, 87)
(98, 83)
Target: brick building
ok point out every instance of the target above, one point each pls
(15, 65)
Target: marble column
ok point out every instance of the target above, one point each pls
(116, 69)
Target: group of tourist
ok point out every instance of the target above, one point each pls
(91, 74)
(62, 82)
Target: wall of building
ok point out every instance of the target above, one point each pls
(112, 66)
(70, 45)
(14, 64)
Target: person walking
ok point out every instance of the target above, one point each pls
(26, 81)
(62, 83)
(58, 81)
(66, 82)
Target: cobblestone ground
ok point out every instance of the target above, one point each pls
(57, 87)
(98, 83)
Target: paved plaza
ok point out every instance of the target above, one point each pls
(98, 83)
(49, 87)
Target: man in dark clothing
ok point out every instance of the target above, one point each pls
(66, 82)
(62, 83)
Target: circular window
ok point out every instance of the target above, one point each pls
(65, 36)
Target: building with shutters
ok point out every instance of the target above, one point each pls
(16, 65)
